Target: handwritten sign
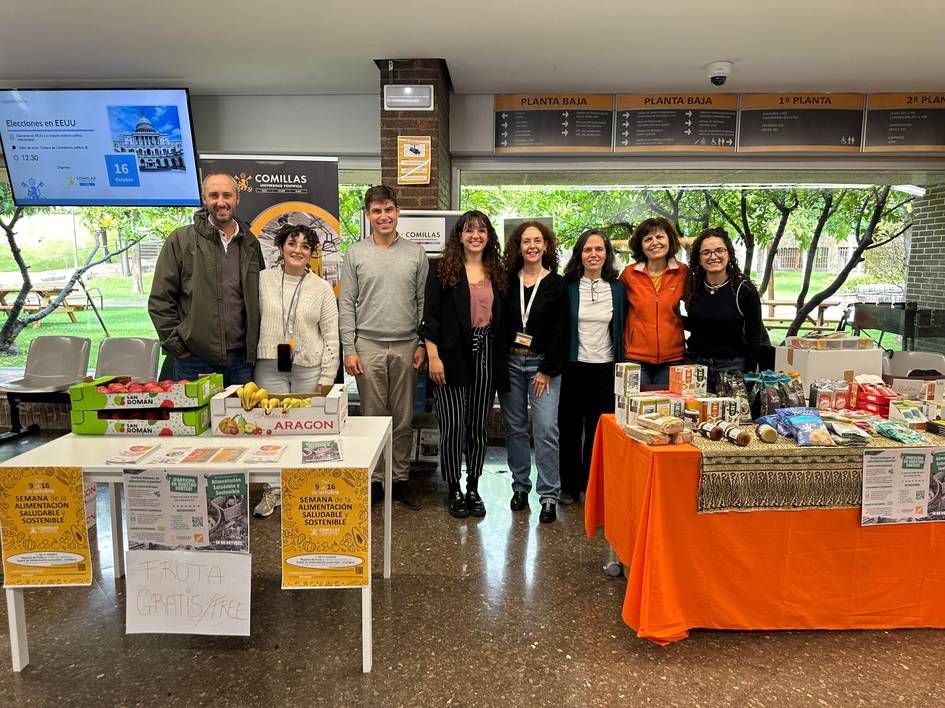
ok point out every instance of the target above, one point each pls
(188, 592)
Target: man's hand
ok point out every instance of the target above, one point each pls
(419, 356)
(183, 355)
(542, 384)
(353, 365)
(437, 371)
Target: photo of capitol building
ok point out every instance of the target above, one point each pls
(155, 150)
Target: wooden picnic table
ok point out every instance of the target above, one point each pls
(44, 293)
(821, 309)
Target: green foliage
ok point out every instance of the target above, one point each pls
(350, 199)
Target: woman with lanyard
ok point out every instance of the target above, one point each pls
(597, 305)
(723, 309)
(536, 309)
(464, 331)
(653, 336)
(298, 333)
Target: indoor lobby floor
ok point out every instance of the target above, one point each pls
(494, 612)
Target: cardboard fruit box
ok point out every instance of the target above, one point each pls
(326, 415)
(154, 421)
(93, 395)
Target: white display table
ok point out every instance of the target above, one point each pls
(363, 441)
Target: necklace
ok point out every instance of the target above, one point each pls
(712, 288)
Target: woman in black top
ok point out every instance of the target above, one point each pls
(536, 310)
(464, 331)
(723, 309)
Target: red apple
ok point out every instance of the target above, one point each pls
(117, 388)
(153, 388)
(102, 389)
(166, 431)
(136, 388)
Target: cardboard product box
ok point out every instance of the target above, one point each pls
(689, 379)
(620, 410)
(814, 364)
(93, 395)
(920, 389)
(326, 416)
(908, 412)
(677, 402)
(428, 445)
(714, 408)
(638, 405)
(155, 421)
(833, 341)
(874, 408)
(626, 379)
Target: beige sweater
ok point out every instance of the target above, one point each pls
(316, 324)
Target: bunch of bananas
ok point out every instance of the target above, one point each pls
(287, 403)
(251, 395)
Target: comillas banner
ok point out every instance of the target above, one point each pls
(276, 190)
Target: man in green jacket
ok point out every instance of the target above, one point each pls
(204, 299)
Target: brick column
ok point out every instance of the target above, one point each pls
(925, 278)
(435, 123)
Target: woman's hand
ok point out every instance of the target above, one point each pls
(542, 384)
(437, 371)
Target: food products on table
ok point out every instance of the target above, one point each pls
(662, 423)
(689, 379)
(807, 425)
(734, 434)
(847, 434)
(626, 379)
(683, 436)
(645, 435)
(709, 430)
(766, 433)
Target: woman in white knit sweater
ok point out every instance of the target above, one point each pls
(299, 319)
(299, 311)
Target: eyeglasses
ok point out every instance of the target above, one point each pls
(594, 284)
(718, 253)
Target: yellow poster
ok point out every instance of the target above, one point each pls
(42, 517)
(326, 527)
(413, 159)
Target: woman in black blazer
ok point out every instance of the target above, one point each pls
(464, 331)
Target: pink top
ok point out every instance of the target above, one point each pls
(480, 303)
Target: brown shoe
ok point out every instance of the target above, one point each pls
(402, 493)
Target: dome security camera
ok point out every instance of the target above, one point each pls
(718, 72)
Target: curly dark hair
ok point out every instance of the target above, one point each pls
(646, 227)
(287, 230)
(575, 267)
(514, 261)
(453, 260)
(697, 273)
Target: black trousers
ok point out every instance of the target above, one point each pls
(587, 392)
(462, 412)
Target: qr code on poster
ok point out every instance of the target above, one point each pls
(196, 521)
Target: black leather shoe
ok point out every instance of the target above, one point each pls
(549, 512)
(474, 504)
(377, 492)
(568, 498)
(519, 501)
(456, 504)
(402, 493)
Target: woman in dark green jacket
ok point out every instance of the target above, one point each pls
(597, 305)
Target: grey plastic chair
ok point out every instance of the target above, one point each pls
(53, 364)
(128, 356)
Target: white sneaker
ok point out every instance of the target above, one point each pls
(270, 501)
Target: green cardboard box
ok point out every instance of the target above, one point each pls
(189, 422)
(86, 396)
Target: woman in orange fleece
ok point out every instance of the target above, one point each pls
(653, 336)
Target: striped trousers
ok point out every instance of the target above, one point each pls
(462, 412)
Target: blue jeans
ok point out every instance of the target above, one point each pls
(657, 374)
(715, 366)
(236, 371)
(515, 403)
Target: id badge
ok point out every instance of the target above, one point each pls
(522, 339)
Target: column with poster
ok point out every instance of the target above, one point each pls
(274, 191)
(42, 522)
(326, 528)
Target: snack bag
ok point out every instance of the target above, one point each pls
(808, 426)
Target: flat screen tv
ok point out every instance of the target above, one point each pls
(99, 147)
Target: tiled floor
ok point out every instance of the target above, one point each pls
(492, 612)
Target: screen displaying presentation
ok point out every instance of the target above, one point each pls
(99, 147)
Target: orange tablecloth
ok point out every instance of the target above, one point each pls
(812, 569)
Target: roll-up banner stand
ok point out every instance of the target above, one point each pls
(276, 190)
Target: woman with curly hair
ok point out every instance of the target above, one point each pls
(597, 308)
(536, 312)
(723, 309)
(465, 334)
(654, 336)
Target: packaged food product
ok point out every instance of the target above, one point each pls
(688, 379)
(733, 433)
(808, 426)
(709, 430)
(645, 435)
(897, 431)
(684, 436)
(662, 423)
(766, 433)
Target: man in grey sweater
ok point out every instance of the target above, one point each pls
(380, 308)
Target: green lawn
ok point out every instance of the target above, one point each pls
(118, 287)
(121, 322)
